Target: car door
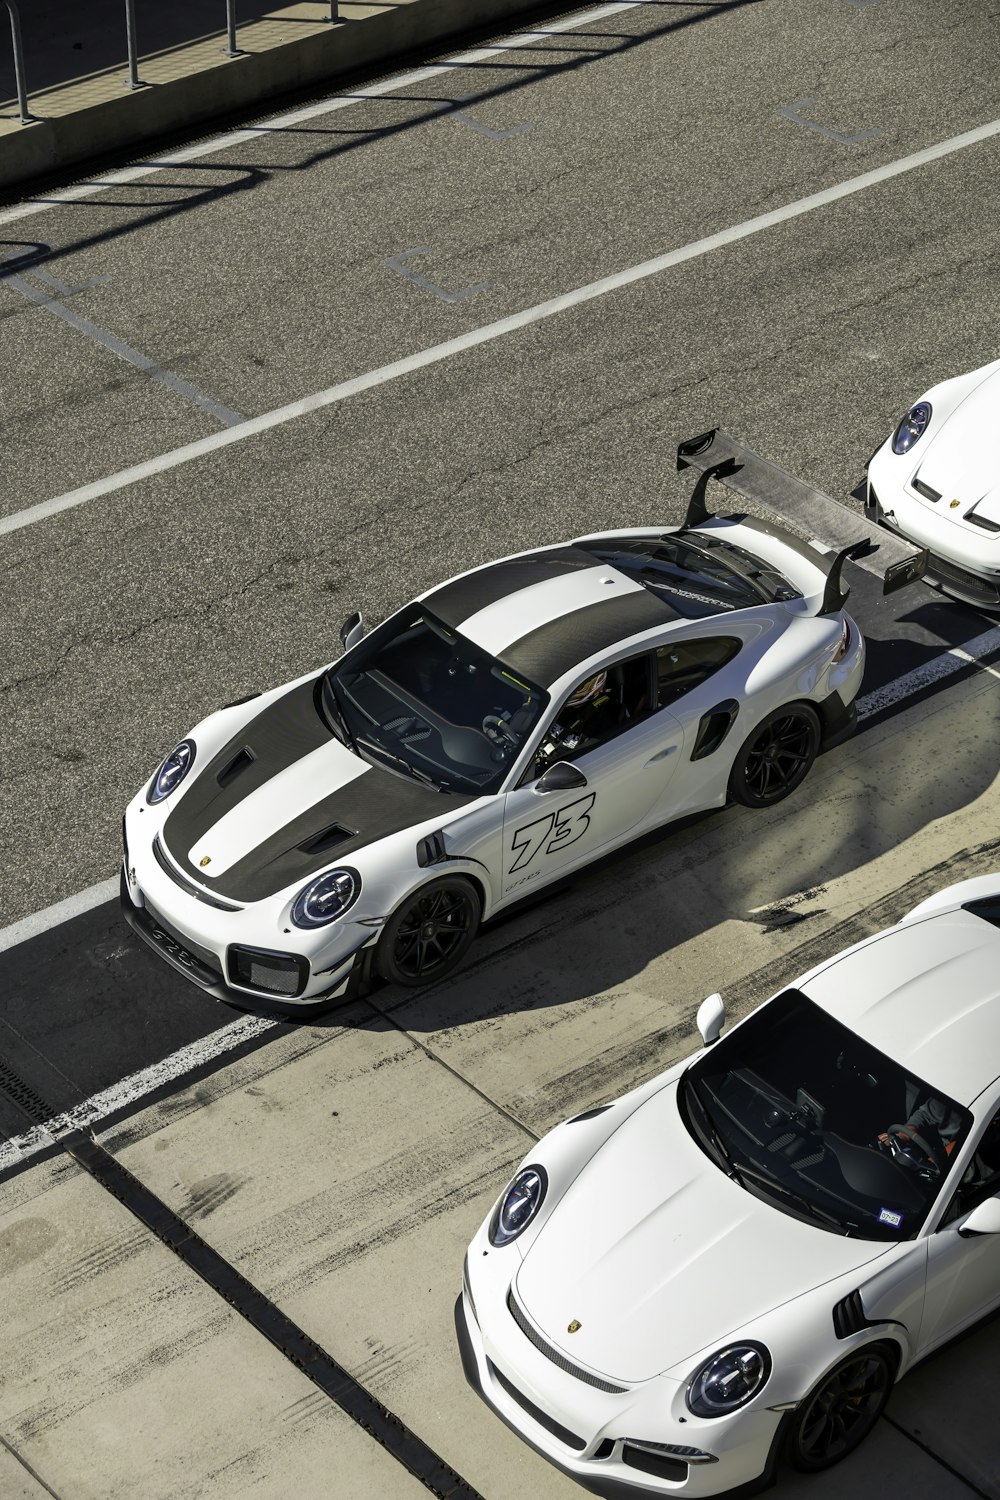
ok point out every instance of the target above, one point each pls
(625, 768)
(963, 1273)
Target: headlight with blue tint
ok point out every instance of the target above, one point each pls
(728, 1380)
(519, 1205)
(326, 898)
(172, 772)
(912, 428)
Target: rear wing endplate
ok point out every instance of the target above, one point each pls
(838, 532)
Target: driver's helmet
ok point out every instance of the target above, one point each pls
(587, 691)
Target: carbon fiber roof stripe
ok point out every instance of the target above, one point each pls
(463, 597)
(546, 653)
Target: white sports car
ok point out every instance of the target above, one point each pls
(936, 481)
(736, 1261)
(489, 738)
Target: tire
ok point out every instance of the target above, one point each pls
(776, 757)
(430, 933)
(837, 1416)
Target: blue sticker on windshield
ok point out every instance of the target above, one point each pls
(886, 1216)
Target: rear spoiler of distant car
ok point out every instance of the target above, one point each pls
(840, 533)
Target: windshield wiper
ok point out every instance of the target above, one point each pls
(779, 1189)
(337, 715)
(404, 765)
(722, 1150)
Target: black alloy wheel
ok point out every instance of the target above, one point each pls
(430, 933)
(776, 757)
(841, 1412)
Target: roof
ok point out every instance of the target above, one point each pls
(927, 994)
(544, 612)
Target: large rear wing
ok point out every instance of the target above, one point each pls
(838, 533)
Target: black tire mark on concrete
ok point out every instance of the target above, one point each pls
(262, 1314)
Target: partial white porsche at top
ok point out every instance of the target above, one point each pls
(734, 1262)
(936, 481)
(491, 737)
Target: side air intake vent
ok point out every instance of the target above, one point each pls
(849, 1316)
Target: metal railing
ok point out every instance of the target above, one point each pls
(133, 81)
(15, 36)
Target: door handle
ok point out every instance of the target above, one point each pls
(660, 755)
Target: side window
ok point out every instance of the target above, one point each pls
(981, 1178)
(685, 664)
(598, 709)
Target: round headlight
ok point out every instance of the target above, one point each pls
(911, 429)
(519, 1205)
(172, 772)
(728, 1380)
(326, 899)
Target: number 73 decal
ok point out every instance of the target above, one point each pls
(554, 832)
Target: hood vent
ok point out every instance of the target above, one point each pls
(327, 838)
(240, 762)
(926, 490)
(983, 521)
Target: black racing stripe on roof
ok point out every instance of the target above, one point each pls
(546, 653)
(455, 602)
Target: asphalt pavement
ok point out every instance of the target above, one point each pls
(322, 366)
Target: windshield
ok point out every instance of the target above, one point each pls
(421, 698)
(697, 575)
(800, 1110)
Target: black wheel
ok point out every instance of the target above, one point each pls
(776, 757)
(430, 933)
(841, 1412)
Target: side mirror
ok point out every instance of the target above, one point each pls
(711, 1019)
(562, 777)
(984, 1219)
(352, 630)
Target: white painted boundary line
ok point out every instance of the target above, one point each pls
(53, 916)
(129, 1090)
(931, 671)
(120, 1095)
(490, 331)
(312, 111)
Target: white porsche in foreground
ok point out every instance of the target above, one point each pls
(738, 1259)
(491, 737)
(936, 481)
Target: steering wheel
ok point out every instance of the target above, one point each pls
(901, 1139)
(499, 731)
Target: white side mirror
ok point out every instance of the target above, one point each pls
(352, 630)
(711, 1019)
(984, 1219)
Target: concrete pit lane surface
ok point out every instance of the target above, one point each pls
(456, 312)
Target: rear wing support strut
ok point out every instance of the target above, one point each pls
(838, 533)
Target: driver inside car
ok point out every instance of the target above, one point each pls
(589, 714)
(928, 1137)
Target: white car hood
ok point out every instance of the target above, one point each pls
(657, 1254)
(962, 461)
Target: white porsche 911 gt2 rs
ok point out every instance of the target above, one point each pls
(734, 1262)
(489, 738)
(936, 481)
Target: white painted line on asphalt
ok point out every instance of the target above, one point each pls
(129, 1090)
(313, 111)
(52, 916)
(490, 331)
(932, 671)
